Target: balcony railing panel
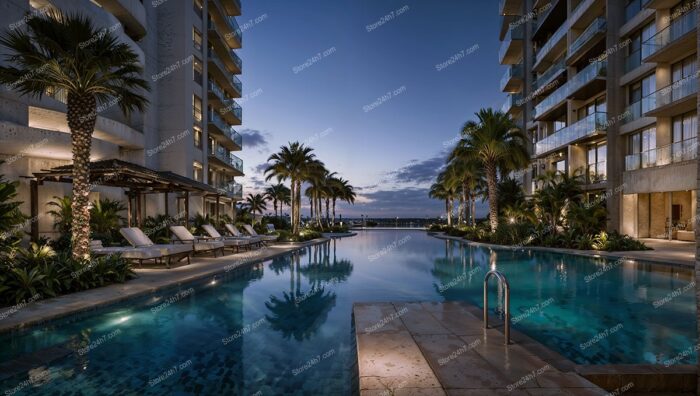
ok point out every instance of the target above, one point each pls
(599, 25)
(588, 126)
(225, 128)
(585, 76)
(664, 155)
(678, 27)
(669, 94)
(634, 8)
(513, 71)
(513, 100)
(547, 77)
(514, 33)
(559, 35)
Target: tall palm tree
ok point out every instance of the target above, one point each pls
(295, 162)
(256, 203)
(471, 175)
(341, 189)
(496, 142)
(276, 193)
(285, 198)
(443, 189)
(60, 52)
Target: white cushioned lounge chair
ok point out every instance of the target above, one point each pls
(236, 233)
(267, 238)
(229, 242)
(129, 253)
(199, 245)
(138, 239)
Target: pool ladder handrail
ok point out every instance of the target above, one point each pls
(502, 280)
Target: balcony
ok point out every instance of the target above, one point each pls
(510, 7)
(677, 98)
(230, 189)
(677, 39)
(225, 158)
(587, 40)
(585, 12)
(512, 46)
(513, 104)
(505, 24)
(552, 48)
(229, 138)
(593, 125)
(548, 76)
(513, 78)
(223, 26)
(587, 82)
(665, 155)
(634, 8)
(229, 82)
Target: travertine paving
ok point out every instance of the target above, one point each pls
(434, 348)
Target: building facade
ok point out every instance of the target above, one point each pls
(608, 89)
(188, 52)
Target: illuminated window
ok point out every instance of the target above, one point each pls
(197, 71)
(197, 136)
(198, 7)
(197, 108)
(198, 171)
(197, 39)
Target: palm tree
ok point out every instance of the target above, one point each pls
(295, 162)
(496, 143)
(67, 53)
(276, 193)
(257, 203)
(285, 198)
(443, 190)
(341, 189)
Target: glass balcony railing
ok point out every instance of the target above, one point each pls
(513, 71)
(232, 25)
(231, 189)
(598, 25)
(667, 95)
(664, 155)
(225, 128)
(512, 101)
(588, 126)
(678, 27)
(228, 157)
(543, 17)
(585, 76)
(235, 81)
(580, 9)
(633, 8)
(633, 61)
(514, 33)
(547, 77)
(559, 35)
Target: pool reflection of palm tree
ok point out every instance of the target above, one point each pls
(299, 314)
(323, 270)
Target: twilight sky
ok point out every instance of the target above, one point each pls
(381, 98)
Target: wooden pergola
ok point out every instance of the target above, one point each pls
(136, 180)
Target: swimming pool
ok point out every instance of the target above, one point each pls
(284, 326)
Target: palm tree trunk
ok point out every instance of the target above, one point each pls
(448, 212)
(493, 195)
(472, 204)
(333, 212)
(328, 212)
(295, 206)
(297, 221)
(81, 121)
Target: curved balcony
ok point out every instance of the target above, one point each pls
(228, 137)
(675, 40)
(225, 158)
(512, 46)
(227, 80)
(513, 78)
(674, 99)
(593, 125)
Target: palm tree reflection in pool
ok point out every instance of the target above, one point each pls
(299, 314)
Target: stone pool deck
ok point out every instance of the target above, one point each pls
(149, 281)
(677, 253)
(433, 348)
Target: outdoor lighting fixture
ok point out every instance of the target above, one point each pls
(512, 220)
(123, 319)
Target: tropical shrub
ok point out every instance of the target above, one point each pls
(39, 272)
(11, 219)
(616, 242)
(158, 228)
(304, 235)
(105, 220)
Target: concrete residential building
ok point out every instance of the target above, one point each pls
(609, 88)
(188, 51)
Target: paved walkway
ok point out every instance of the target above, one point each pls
(148, 281)
(666, 252)
(442, 349)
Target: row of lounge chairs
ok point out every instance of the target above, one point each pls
(185, 244)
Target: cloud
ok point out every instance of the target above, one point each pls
(420, 172)
(253, 138)
(260, 168)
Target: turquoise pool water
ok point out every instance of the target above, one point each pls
(284, 326)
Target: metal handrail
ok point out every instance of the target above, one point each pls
(502, 279)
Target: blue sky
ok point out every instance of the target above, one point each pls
(358, 80)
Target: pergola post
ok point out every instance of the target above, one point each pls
(139, 209)
(218, 197)
(34, 193)
(187, 209)
(129, 209)
(166, 203)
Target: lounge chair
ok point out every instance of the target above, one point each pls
(138, 239)
(267, 238)
(233, 230)
(129, 253)
(271, 228)
(229, 242)
(199, 245)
